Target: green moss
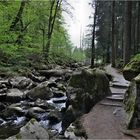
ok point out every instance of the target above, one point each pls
(33, 121)
(137, 79)
(18, 136)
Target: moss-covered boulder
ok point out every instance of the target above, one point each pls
(42, 91)
(86, 88)
(132, 69)
(132, 103)
(92, 81)
(32, 130)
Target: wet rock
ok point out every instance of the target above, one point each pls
(61, 87)
(2, 106)
(43, 104)
(35, 112)
(41, 91)
(54, 72)
(58, 93)
(14, 95)
(11, 112)
(54, 116)
(19, 82)
(32, 130)
(36, 78)
(3, 97)
(60, 100)
(131, 70)
(70, 116)
(132, 103)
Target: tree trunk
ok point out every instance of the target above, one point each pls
(93, 38)
(113, 35)
(18, 16)
(138, 30)
(52, 18)
(127, 31)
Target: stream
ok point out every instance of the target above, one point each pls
(23, 98)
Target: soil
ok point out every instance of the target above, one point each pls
(106, 120)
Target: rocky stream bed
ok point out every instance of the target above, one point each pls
(45, 103)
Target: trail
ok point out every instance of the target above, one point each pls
(106, 120)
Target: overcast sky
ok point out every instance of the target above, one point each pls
(77, 24)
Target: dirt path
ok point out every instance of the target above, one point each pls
(106, 120)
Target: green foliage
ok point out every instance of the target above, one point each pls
(23, 46)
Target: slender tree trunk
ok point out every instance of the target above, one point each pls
(113, 35)
(52, 18)
(93, 38)
(127, 31)
(138, 30)
(18, 16)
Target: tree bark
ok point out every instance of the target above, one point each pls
(52, 18)
(113, 36)
(127, 31)
(18, 16)
(93, 38)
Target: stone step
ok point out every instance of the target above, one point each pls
(118, 91)
(111, 104)
(119, 85)
(115, 97)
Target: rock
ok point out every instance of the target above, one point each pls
(35, 112)
(32, 130)
(3, 97)
(93, 86)
(70, 116)
(54, 72)
(41, 91)
(60, 100)
(43, 104)
(3, 90)
(14, 95)
(131, 70)
(37, 78)
(58, 93)
(11, 112)
(2, 106)
(132, 103)
(20, 82)
(54, 116)
(61, 87)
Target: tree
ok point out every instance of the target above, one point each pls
(93, 37)
(127, 31)
(113, 36)
(54, 7)
(18, 17)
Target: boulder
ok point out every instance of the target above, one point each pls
(54, 116)
(70, 116)
(14, 95)
(32, 130)
(2, 106)
(10, 112)
(41, 91)
(58, 93)
(35, 112)
(54, 72)
(131, 70)
(93, 86)
(20, 82)
(43, 104)
(36, 78)
(132, 103)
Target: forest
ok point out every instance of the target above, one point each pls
(51, 88)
